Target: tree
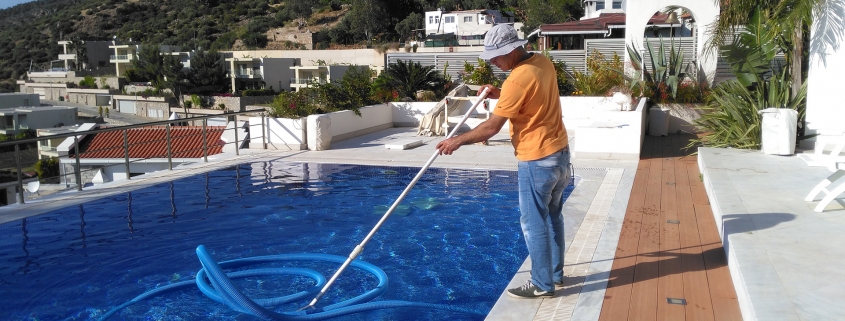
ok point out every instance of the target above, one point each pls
(410, 77)
(301, 9)
(790, 19)
(406, 27)
(207, 71)
(367, 19)
(537, 12)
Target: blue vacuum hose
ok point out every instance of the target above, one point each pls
(217, 285)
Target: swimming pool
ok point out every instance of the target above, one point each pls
(454, 240)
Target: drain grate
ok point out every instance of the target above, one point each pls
(673, 221)
(676, 301)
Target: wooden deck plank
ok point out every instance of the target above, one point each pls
(722, 292)
(655, 260)
(696, 287)
(670, 281)
(644, 291)
(618, 294)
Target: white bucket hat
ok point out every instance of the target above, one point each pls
(500, 40)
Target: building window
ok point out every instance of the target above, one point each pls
(450, 19)
(599, 5)
(430, 19)
(617, 4)
(468, 19)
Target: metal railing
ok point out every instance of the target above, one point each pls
(120, 57)
(306, 81)
(79, 136)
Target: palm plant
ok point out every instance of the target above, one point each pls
(410, 77)
(790, 21)
(731, 117)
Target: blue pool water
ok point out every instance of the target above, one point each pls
(454, 240)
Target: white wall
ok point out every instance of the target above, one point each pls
(704, 13)
(825, 109)
(346, 124)
(281, 133)
(365, 57)
(409, 114)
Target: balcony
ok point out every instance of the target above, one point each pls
(247, 74)
(121, 58)
(306, 81)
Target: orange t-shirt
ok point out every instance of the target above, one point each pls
(531, 101)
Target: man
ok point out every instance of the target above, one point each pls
(529, 98)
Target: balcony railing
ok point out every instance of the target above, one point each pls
(121, 57)
(247, 74)
(74, 177)
(305, 81)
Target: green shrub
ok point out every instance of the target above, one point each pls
(47, 168)
(197, 101)
(481, 74)
(88, 82)
(295, 104)
(600, 77)
(257, 92)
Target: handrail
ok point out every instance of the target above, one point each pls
(122, 127)
(76, 137)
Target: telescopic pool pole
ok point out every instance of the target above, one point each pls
(360, 247)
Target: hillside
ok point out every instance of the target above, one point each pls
(31, 31)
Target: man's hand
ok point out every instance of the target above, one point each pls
(447, 146)
(493, 93)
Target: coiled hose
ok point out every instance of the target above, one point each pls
(217, 285)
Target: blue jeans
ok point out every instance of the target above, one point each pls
(541, 185)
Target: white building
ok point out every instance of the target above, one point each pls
(594, 8)
(9, 100)
(465, 28)
(13, 120)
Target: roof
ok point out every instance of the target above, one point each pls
(150, 142)
(601, 23)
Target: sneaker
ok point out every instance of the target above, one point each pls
(529, 291)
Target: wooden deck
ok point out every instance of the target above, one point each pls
(669, 247)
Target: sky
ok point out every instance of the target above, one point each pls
(4, 4)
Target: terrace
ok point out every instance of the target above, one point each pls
(642, 237)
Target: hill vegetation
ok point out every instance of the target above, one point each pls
(30, 32)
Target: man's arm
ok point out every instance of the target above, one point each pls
(481, 133)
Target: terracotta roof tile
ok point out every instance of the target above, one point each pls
(151, 142)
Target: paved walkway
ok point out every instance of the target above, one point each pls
(785, 259)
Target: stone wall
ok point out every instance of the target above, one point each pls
(305, 38)
(112, 81)
(88, 173)
(49, 93)
(234, 104)
(86, 98)
(160, 109)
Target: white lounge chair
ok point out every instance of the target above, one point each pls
(831, 160)
(830, 194)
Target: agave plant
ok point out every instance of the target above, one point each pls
(667, 71)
